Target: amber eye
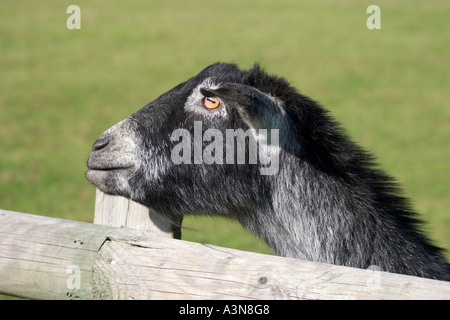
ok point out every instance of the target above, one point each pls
(211, 102)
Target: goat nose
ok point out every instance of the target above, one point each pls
(100, 144)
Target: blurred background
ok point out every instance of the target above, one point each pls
(60, 88)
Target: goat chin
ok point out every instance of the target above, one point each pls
(110, 181)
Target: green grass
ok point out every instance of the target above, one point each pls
(60, 89)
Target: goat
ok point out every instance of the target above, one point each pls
(325, 199)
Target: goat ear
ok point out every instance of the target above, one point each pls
(256, 108)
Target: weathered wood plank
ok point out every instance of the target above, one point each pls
(38, 257)
(47, 258)
(118, 211)
(141, 266)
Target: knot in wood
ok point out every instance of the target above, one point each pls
(262, 280)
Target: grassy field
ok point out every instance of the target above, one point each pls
(60, 88)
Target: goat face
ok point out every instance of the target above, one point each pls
(143, 159)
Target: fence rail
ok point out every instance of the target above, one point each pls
(50, 258)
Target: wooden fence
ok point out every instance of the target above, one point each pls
(50, 258)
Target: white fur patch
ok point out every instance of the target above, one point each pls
(194, 102)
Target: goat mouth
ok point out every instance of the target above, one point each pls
(109, 168)
(109, 178)
(97, 173)
(96, 164)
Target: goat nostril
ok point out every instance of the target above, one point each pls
(100, 144)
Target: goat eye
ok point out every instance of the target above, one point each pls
(211, 102)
